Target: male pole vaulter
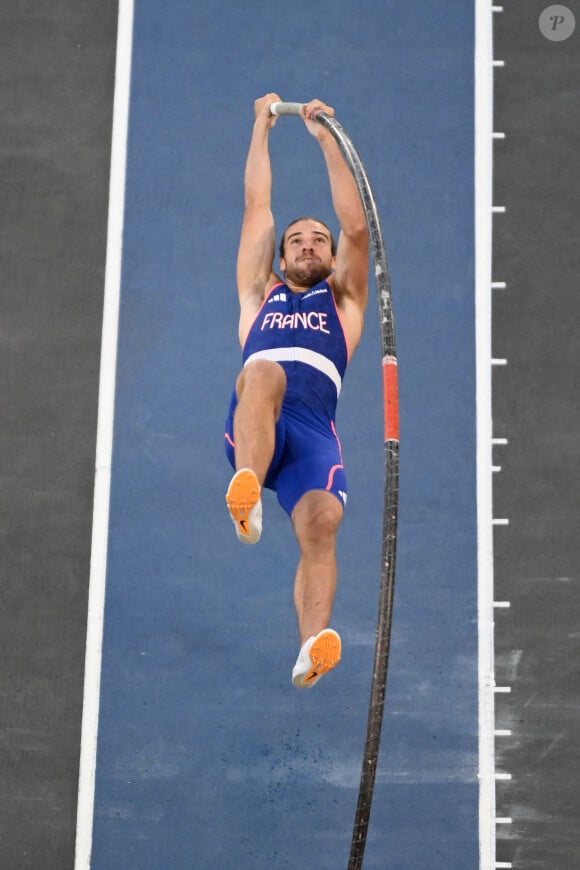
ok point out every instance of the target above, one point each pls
(297, 336)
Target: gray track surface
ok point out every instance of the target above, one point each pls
(56, 66)
(535, 405)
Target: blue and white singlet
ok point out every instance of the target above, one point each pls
(304, 334)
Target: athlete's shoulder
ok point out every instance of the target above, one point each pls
(351, 314)
(341, 296)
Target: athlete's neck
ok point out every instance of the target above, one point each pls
(301, 288)
(296, 288)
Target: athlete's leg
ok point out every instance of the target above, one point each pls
(316, 519)
(260, 390)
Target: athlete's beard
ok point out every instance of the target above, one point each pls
(307, 274)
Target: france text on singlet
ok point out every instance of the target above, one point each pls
(302, 332)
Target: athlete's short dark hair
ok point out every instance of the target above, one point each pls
(307, 217)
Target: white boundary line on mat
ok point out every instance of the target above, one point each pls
(106, 412)
(483, 290)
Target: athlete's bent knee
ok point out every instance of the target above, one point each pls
(317, 517)
(263, 376)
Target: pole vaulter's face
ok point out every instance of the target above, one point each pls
(307, 253)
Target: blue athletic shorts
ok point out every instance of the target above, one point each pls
(307, 456)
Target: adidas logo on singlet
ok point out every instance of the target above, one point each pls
(279, 297)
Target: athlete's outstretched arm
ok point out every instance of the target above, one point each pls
(258, 237)
(351, 271)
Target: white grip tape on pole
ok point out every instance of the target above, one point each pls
(285, 108)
